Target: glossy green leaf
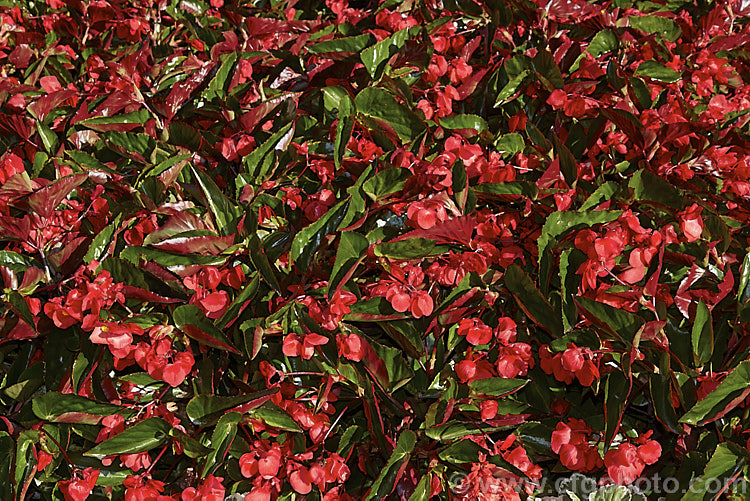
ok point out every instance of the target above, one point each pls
(511, 87)
(616, 393)
(726, 462)
(703, 334)
(727, 396)
(531, 300)
(377, 104)
(202, 409)
(69, 408)
(351, 251)
(376, 57)
(307, 241)
(411, 248)
(143, 436)
(190, 319)
(603, 42)
(657, 71)
(225, 213)
(616, 320)
(386, 182)
(221, 439)
(348, 44)
(649, 187)
(657, 24)
(473, 122)
(391, 473)
(497, 386)
(275, 416)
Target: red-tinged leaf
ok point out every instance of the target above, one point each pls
(182, 91)
(470, 84)
(45, 104)
(114, 103)
(69, 257)
(180, 222)
(457, 230)
(45, 201)
(376, 309)
(205, 408)
(68, 408)
(133, 292)
(204, 244)
(255, 116)
(16, 186)
(191, 320)
(727, 396)
(626, 123)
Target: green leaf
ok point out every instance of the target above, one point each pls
(650, 187)
(221, 440)
(7, 455)
(392, 471)
(137, 117)
(618, 321)
(661, 398)
(461, 452)
(15, 261)
(531, 301)
(726, 462)
(423, 488)
(743, 292)
(570, 261)
(657, 24)
(193, 322)
(203, 409)
(307, 241)
(348, 44)
(728, 395)
(510, 144)
(261, 263)
(657, 71)
(350, 252)
(616, 394)
(101, 242)
(167, 259)
(258, 162)
(375, 309)
(474, 122)
(376, 57)
(511, 87)
(603, 193)
(70, 408)
(218, 83)
(143, 436)
(412, 248)
(193, 448)
(377, 104)
(603, 42)
(48, 136)
(497, 386)
(386, 182)
(142, 144)
(703, 334)
(225, 213)
(275, 416)
(521, 188)
(458, 429)
(545, 65)
(343, 130)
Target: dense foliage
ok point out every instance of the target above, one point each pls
(362, 250)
